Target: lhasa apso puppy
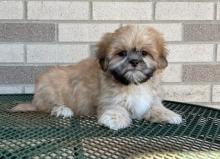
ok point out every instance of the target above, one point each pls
(120, 84)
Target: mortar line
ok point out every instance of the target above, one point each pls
(25, 54)
(23, 90)
(182, 32)
(56, 32)
(21, 64)
(94, 42)
(25, 10)
(200, 1)
(186, 83)
(181, 70)
(215, 11)
(215, 52)
(90, 10)
(92, 21)
(153, 11)
(211, 93)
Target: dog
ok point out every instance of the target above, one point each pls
(120, 84)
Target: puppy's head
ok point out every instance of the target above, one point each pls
(132, 54)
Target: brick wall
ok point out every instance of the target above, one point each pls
(38, 33)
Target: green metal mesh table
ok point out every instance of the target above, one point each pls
(38, 135)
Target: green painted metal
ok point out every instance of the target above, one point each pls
(38, 135)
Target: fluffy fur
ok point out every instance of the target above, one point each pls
(121, 83)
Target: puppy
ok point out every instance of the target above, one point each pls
(120, 84)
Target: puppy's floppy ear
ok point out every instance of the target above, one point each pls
(162, 62)
(103, 47)
(161, 50)
(104, 63)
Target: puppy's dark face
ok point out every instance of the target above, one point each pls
(132, 54)
(132, 66)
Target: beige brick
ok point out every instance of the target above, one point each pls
(11, 89)
(190, 52)
(56, 53)
(27, 32)
(170, 31)
(173, 73)
(187, 93)
(11, 53)
(20, 74)
(58, 10)
(184, 11)
(216, 93)
(84, 32)
(29, 89)
(122, 10)
(11, 9)
(201, 73)
(201, 32)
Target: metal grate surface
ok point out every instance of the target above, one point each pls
(37, 135)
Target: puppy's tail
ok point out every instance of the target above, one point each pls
(23, 108)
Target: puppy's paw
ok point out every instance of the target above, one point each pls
(115, 120)
(162, 114)
(62, 111)
(174, 119)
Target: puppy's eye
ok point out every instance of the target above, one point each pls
(144, 53)
(122, 53)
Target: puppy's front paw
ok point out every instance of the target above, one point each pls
(161, 114)
(62, 111)
(174, 119)
(115, 120)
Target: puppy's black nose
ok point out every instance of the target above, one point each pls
(134, 62)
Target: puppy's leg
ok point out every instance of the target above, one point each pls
(159, 113)
(49, 100)
(115, 118)
(26, 107)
